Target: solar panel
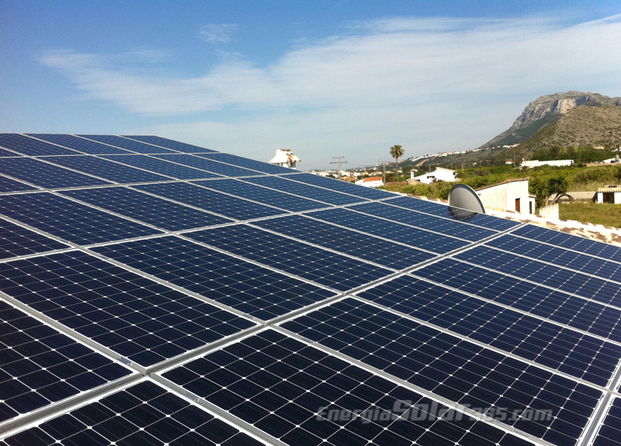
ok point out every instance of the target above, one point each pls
(16, 240)
(252, 289)
(561, 348)
(9, 185)
(69, 220)
(429, 222)
(125, 143)
(230, 301)
(209, 200)
(165, 142)
(263, 195)
(367, 247)
(30, 146)
(79, 144)
(441, 210)
(304, 190)
(144, 414)
(341, 186)
(163, 167)
(135, 317)
(4, 152)
(44, 174)
(610, 430)
(41, 366)
(147, 208)
(288, 389)
(389, 230)
(327, 268)
(589, 264)
(245, 162)
(210, 166)
(109, 170)
(453, 368)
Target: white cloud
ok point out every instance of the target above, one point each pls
(428, 84)
(216, 34)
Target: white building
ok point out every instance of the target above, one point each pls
(371, 182)
(609, 194)
(440, 174)
(285, 158)
(510, 195)
(537, 163)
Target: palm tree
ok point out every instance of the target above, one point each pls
(397, 152)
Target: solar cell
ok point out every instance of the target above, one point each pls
(69, 220)
(211, 201)
(281, 385)
(79, 144)
(144, 414)
(165, 142)
(425, 221)
(125, 143)
(609, 433)
(245, 162)
(10, 185)
(41, 365)
(249, 288)
(147, 208)
(44, 174)
(16, 240)
(226, 170)
(137, 318)
(452, 368)
(324, 267)
(551, 345)
(586, 315)
(585, 263)
(441, 210)
(163, 167)
(107, 169)
(367, 247)
(305, 190)
(397, 232)
(341, 186)
(30, 146)
(584, 285)
(263, 195)
(568, 241)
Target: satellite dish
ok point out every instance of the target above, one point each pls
(464, 197)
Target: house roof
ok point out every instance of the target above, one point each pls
(368, 180)
(511, 180)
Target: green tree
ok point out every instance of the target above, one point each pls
(557, 185)
(539, 187)
(397, 152)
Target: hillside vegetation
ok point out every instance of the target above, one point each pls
(578, 179)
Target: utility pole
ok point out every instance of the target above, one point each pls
(384, 166)
(339, 161)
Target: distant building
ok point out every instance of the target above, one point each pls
(440, 174)
(371, 182)
(509, 195)
(509, 162)
(285, 158)
(537, 163)
(609, 194)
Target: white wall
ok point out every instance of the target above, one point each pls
(503, 196)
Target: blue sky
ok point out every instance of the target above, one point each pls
(324, 78)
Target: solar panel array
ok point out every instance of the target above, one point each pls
(156, 292)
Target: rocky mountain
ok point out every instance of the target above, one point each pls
(583, 125)
(544, 110)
